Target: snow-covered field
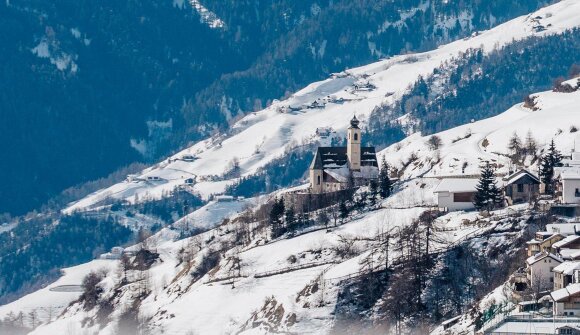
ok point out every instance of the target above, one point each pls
(263, 136)
(50, 301)
(462, 150)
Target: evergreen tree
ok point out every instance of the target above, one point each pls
(374, 193)
(343, 210)
(531, 146)
(515, 147)
(290, 218)
(551, 159)
(361, 200)
(276, 214)
(487, 195)
(385, 184)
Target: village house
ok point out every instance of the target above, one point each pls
(543, 242)
(455, 194)
(570, 186)
(564, 274)
(521, 186)
(567, 178)
(540, 268)
(334, 168)
(567, 300)
(115, 253)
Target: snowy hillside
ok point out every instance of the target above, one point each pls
(272, 289)
(462, 150)
(234, 278)
(263, 136)
(211, 306)
(274, 276)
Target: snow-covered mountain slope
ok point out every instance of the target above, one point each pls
(263, 136)
(273, 288)
(292, 284)
(48, 302)
(178, 305)
(464, 148)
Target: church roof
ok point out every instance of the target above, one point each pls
(336, 157)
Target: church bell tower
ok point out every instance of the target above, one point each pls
(353, 144)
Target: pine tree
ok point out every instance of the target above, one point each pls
(550, 160)
(343, 210)
(374, 193)
(361, 200)
(385, 184)
(515, 147)
(531, 146)
(290, 218)
(487, 195)
(276, 214)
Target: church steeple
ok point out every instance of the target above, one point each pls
(354, 144)
(354, 122)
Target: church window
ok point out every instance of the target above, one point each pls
(356, 137)
(318, 180)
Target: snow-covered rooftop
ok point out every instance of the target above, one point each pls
(541, 255)
(568, 267)
(570, 173)
(519, 174)
(539, 328)
(573, 254)
(566, 241)
(340, 174)
(563, 293)
(454, 185)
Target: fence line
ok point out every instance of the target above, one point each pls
(292, 268)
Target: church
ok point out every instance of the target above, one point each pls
(334, 168)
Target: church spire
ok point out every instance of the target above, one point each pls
(354, 122)
(353, 146)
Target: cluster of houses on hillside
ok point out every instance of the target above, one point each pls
(552, 268)
(552, 279)
(553, 264)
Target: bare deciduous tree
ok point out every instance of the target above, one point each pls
(434, 142)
